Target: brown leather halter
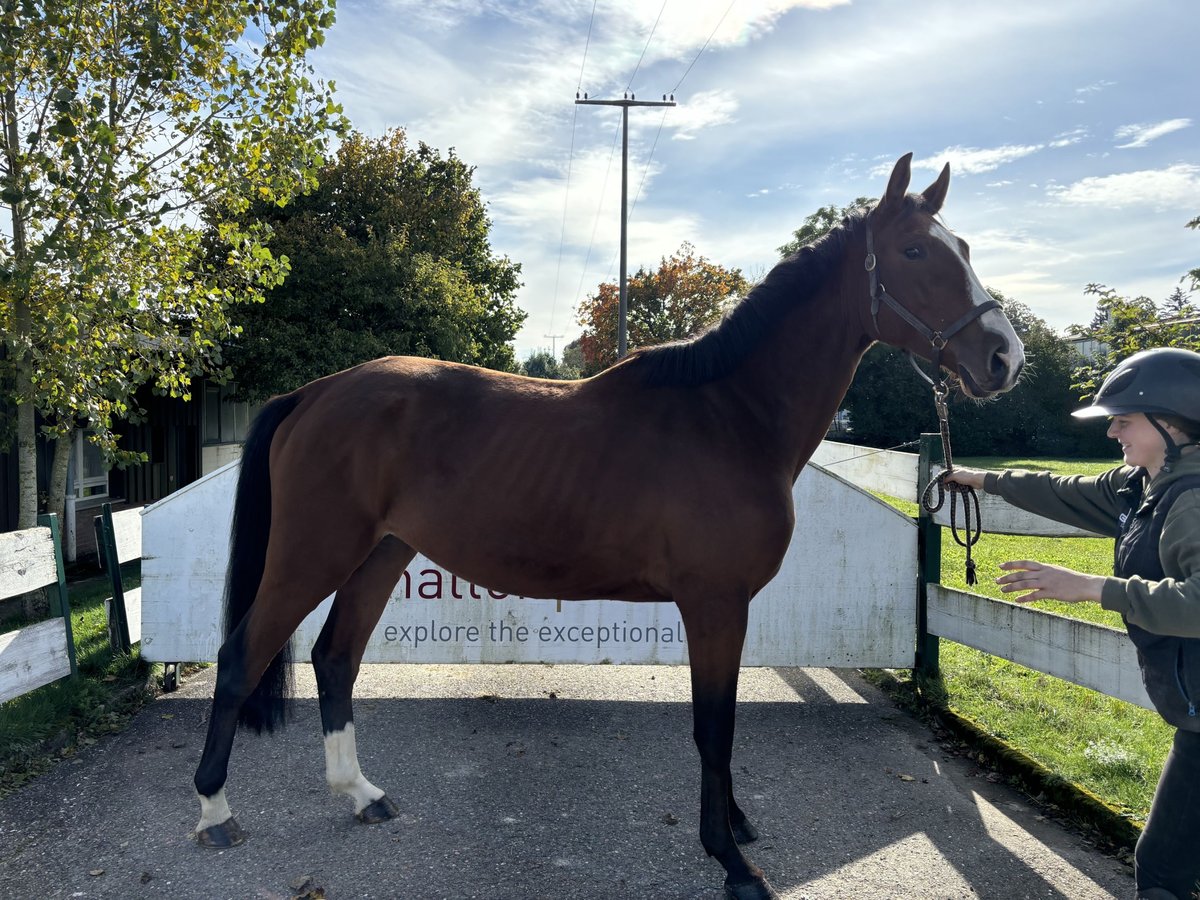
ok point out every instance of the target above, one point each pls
(937, 339)
(941, 389)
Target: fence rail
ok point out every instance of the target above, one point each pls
(1084, 653)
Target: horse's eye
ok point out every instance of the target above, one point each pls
(914, 252)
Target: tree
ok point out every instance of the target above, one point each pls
(821, 222)
(119, 121)
(388, 255)
(682, 297)
(889, 404)
(1177, 305)
(542, 364)
(1122, 326)
(572, 357)
(1194, 275)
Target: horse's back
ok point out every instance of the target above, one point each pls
(535, 487)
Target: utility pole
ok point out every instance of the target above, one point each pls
(627, 101)
(553, 343)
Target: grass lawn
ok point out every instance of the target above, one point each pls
(54, 720)
(1112, 748)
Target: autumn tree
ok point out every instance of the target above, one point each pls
(679, 299)
(119, 121)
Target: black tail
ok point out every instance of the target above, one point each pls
(266, 707)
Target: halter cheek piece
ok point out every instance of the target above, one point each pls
(934, 494)
(937, 339)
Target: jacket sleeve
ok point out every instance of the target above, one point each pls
(1085, 501)
(1170, 606)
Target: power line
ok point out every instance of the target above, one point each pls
(628, 101)
(586, 44)
(706, 43)
(650, 158)
(629, 86)
(562, 238)
(596, 222)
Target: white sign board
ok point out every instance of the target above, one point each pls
(844, 596)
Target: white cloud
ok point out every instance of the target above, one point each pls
(704, 110)
(970, 160)
(1175, 187)
(1142, 135)
(1067, 138)
(1095, 87)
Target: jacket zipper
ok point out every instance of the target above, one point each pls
(1183, 687)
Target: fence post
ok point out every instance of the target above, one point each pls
(59, 605)
(929, 558)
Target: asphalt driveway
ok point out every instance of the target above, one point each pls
(538, 781)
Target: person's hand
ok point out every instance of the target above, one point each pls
(967, 477)
(1047, 582)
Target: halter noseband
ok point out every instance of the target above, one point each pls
(937, 339)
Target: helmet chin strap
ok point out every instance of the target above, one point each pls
(1174, 451)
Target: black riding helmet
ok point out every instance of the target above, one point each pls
(1164, 382)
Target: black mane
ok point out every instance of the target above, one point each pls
(719, 350)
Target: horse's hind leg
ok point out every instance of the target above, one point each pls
(301, 570)
(715, 633)
(336, 657)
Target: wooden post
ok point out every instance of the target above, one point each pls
(118, 616)
(59, 604)
(929, 556)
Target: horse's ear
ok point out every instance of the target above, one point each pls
(935, 194)
(898, 183)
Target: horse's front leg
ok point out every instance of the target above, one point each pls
(715, 635)
(336, 657)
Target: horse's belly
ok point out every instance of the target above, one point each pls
(542, 565)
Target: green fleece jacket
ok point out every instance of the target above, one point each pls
(1170, 606)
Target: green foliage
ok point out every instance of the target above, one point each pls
(817, 224)
(890, 405)
(1122, 326)
(50, 723)
(388, 255)
(1194, 275)
(121, 119)
(543, 364)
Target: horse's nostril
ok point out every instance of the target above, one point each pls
(999, 365)
(1003, 367)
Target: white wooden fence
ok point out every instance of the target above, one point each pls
(45, 651)
(830, 604)
(1094, 656)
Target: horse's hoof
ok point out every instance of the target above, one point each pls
(755, 889)
(382, 810)
(220, 837)
(744, 832)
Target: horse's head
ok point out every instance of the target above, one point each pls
(924, 295)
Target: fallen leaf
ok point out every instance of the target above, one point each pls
(906, 778)
(96, 872)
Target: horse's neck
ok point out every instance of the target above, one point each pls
(801, 373)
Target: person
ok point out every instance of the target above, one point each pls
(1151, 505)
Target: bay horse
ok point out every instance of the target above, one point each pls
(667, 477)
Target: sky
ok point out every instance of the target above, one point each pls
(1072, 130)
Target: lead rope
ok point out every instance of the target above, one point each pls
(973, 522)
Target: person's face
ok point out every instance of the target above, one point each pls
(1141, 444)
